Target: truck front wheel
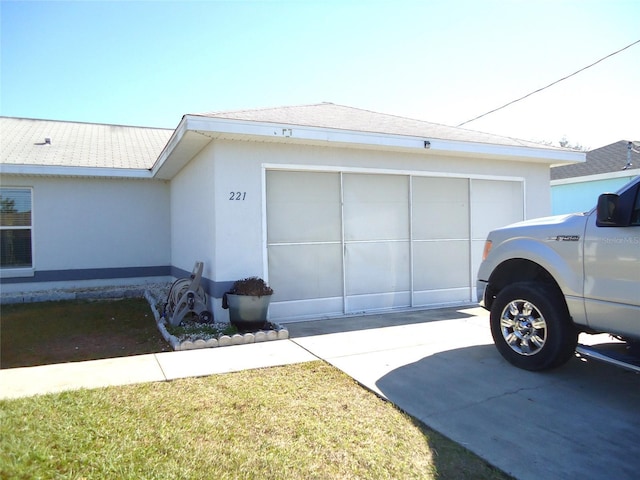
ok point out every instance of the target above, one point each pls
(531, 327)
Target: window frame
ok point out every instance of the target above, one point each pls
(22, 271)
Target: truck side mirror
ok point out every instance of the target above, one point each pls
(607, 210)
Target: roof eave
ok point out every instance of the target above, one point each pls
(597, 177)
(70, 171)
(183, 145)
(194, 132)
(510, 152)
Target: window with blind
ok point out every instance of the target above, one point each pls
(15, 228)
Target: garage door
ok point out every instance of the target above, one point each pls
(345, 243)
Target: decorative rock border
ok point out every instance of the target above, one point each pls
(281, 333)
(55, 295)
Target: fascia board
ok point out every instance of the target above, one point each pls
(315, 135)
(64, 171)
(183, 145)
(283, 132)
(176, 136)
(530, 154)
(596, 177)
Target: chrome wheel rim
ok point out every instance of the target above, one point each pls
(523, 327)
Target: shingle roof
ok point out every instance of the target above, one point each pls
(607, 159)
(329, 115)
(73, 144)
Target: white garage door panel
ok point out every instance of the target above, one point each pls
(303, 207)
(431, 298)
(376, 207)
(306, 309)
(380, 301)
(441, 265)
(440, 208)
(377, 250)
(495, 204)
(477, 248)
(298, 272)
(377, 267)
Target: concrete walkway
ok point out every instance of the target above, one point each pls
(440, 366)
(154, 367)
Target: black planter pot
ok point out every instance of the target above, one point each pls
(248, 313)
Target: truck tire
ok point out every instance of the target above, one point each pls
(531, 326)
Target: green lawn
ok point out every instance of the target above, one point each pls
(307, 421)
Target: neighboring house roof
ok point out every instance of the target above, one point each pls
(73, 144)
(329, 115)
(608, 159)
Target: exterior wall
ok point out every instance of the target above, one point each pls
(239, 191)
(94, 232)
(218, 199)
(193, 216)
(582, 196)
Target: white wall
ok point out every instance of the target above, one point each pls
(82, 223)
(100, 224)
(193, 213)
(239, 200)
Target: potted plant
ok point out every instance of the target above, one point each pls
(248, 303)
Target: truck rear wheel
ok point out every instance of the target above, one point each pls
(531, 327)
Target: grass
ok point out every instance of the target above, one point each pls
(306, 421)
(67, 331)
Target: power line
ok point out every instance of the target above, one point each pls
(550, 85)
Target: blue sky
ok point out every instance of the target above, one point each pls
(445, 61)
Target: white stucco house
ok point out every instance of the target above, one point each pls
(576, 187)
(342, 210)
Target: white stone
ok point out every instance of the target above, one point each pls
(237, 339)
(212, 342)
(200, 343)
(249, 338)
(260, 336)
(187, 345)
(283, 334)
(224, 340)
(272, 335)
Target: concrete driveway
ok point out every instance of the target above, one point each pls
(440, 366)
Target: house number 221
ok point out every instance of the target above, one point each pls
(237, 195)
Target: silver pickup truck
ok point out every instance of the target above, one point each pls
(547, 280)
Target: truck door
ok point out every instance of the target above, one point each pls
(612, 269)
